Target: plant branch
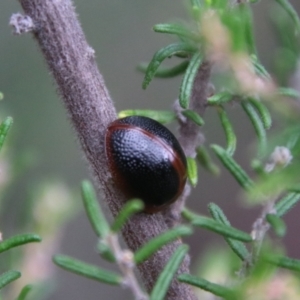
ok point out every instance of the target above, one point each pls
(190, 136)
(72, 63)
(125, 261)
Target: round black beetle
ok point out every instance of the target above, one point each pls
(146, 161)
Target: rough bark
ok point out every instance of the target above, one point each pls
(81, 86)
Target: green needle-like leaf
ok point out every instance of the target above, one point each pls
(263, 112)
(187, 84)
(161, 116)
(178, 29)
(212, 225)
(220, 98)
(195, 3)
(206, 161)
(192, 115)
(236, 170)
(4, 128)
(105, 251)
(159, 241)
(93, 210)
(246, 12)
(165, 278)
(24, 292)
(166, 72)
(286, 203)
(286, 5)
(257, 124)
(81, 268)
(258, 167)
(217, 213)
(238, 247)
(236, 24)
(208, 286)
(18, 240)
(295, 189)
(161, 55)
(196, 9)
(131, 207)
(192, 171)
(284, 262)
(289, 92)
(229, 132)
(8, 277)
(259, 68)
(277, 224)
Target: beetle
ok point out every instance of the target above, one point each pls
(146, 161)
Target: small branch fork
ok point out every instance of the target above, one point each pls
(125, 261)
(72, 63)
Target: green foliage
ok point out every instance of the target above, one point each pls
(277, 163)
(163, 117)
(229, 132)
(277, 224)
(188, 80)
(129, 209)
(233, 167)
(109, 248)
(219, 98)
(213, 288)
(24, 292)
(259, 69)
(156, 243)
(8, 277)
(246, 14)
(18, 240)
(180, 30)
(291, 12)
(4, 128)
(93, 210)
(205, 160)
(192, 171)
(284, 21)
(258, 125)
(210, 224)
(289, 92)
(222, 34)
(8, 245)
(164, 280)
(237, 246)
(192, 115)
(87, 270)
(165, 72)
(287, 203)
(284, 262)
(171, 50)
(263, 112)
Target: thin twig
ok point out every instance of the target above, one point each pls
(259, 230)
(126, 264)
(72, 63)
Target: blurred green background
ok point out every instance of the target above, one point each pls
(120, 32)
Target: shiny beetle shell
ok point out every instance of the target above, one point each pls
(146, 161)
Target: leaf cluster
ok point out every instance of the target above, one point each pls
(275, 184)
(17, 240)
(105, 232)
